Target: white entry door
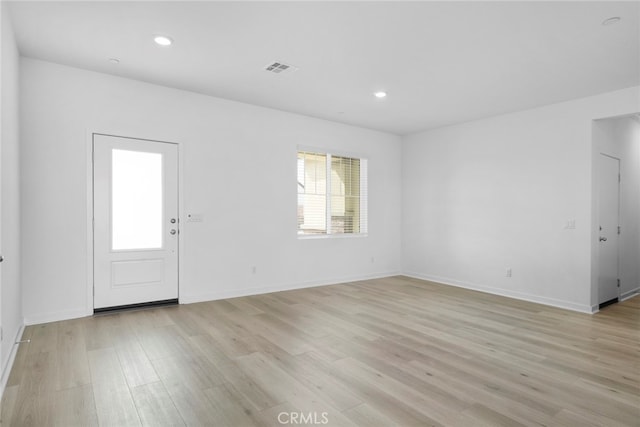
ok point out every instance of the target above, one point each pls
(609, 203)
(135, 208)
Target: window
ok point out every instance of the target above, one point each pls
(332, 194)
(136, 187)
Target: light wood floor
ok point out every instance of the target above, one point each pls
(393, 351)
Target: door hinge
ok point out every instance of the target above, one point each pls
(618, 229)
(618, 282)
(619, 179)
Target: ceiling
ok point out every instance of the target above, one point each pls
(440, 62)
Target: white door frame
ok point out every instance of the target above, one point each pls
(595, 214)
(599, 176)
(89, 184)
(595, 220)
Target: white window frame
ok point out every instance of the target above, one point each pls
(364, 193)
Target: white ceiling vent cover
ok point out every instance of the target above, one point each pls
(280, 67)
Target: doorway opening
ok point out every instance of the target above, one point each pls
(616, 210)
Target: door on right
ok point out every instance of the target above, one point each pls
(609, 213)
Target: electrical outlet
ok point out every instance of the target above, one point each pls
(508, 272)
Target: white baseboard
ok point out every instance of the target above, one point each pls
(629, 294)
(55, 317)
(210, 296)
(6, 370)
(568, 305)
(235, 293)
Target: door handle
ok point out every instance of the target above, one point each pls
(603, 239)
(1, 258)
(173, 231)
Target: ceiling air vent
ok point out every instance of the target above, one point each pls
(279, 67)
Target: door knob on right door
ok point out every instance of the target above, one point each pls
(603, 239)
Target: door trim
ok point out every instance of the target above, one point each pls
(599, 175)
(89, 308)
(594, 175)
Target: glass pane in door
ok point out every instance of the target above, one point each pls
(136, 208)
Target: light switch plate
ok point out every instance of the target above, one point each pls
(195, 217)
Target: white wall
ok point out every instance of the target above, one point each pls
(239, 171)
(478, 197)
(493, 194)
(10, 294)
(620, 137)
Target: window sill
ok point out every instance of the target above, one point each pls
(332, 236)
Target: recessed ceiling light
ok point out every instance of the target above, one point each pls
(611, 21)
(380, 94)
(163, 40)
(114, 61)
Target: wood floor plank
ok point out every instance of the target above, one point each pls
(144, 320)
(193, 405)
(245, 386)
(439, 412)
(366, 415)
(526, 405)
(229, 407)
(155, 406)
(230, 343)
(482, 416)
(37, 383)
(194, 370)
(9, 398)
(114, 404)
(163, 341)
(109, 330)
(44, 338)
(186, 322)
(136, 366)
(18, 371)
(206, 346)
(72, 366)
(279, 385)
(387, 352)
(244, 306)
(570, 418)
(74, 407)
(394, 409)
(285, 336)
(333, 391)
(274, 416)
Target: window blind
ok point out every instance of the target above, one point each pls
(332, 194)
